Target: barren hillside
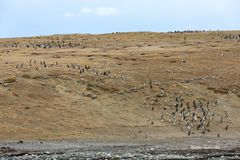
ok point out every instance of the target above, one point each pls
(120, 86)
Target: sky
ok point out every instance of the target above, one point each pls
(23, 18)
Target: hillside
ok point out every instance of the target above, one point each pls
(139, 85)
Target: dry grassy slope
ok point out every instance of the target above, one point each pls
(58, 103)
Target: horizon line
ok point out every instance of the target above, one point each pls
(104, 33)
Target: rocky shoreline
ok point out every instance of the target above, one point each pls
(174, 148)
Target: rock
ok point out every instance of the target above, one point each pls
(38, 77)
(20, 142)
(10, 80)
(94, 96)
(5, 85)
(26, 76)
(27, 107)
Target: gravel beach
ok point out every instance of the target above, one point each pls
(184, 148)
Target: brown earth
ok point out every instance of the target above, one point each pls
(58, 102)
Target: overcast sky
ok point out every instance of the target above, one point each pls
(43, 17)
